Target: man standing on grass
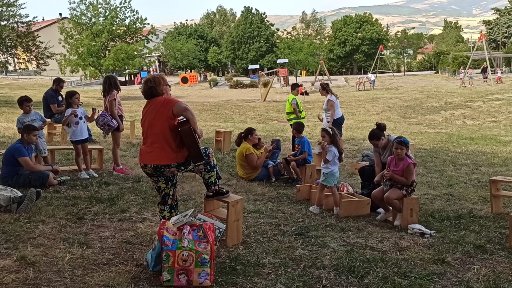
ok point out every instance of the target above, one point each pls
(294, 109)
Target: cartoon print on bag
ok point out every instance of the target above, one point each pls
(204, 278)
(185, 259)
(184, 277)
(204, 260)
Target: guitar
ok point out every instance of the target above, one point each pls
(190, 141)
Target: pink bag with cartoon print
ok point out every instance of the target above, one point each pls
(188, 254)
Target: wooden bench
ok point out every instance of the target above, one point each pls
(97, 165)
(303, 192)
(232, 215)
(497, 193)
(52, 130)
(223, 140)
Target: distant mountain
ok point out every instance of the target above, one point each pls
(424, 15)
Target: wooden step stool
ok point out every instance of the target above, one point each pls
(232, 215)
(308, 174)
(223, 140)
(303, 192)
(410, 211)
(98, 165)
(497, 193)
(52, 130)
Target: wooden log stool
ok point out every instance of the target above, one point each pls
(223, 140)
(96, 165)
(410, 211)
(52, 130)
(497, 193)
(308, 174)
(232, 215)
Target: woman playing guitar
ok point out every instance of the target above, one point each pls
(165, 152)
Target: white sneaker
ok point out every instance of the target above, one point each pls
(384, 216)
(315, 209)
(83, 175)
(336, 210)
(398, 219)
(380, 211)
(91, 173)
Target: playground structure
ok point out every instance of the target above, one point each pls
(376, 63)
(321, 66)
(188, 79)
(283, 73)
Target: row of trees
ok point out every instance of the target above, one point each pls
(105, 36)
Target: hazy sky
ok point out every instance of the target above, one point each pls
(169, 11)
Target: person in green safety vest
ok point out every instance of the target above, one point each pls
(294, 109)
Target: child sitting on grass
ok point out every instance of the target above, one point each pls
(29, 116)
(332, 155)
(303, 153)
(272, 158)
(399, 181)
(76, 119)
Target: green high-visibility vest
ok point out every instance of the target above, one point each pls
(290, 115)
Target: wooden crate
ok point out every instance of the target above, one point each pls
(53, 130)
(354, 205)
(232, 214)
(308, 174)
(354, 167)
(410, 211)
(302, 192)
(497, 193)
(97, 164)
(223, 140)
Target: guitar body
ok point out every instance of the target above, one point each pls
(190, 141)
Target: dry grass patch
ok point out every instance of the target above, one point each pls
(95, 233)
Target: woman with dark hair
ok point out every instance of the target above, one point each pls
(250, 161)
(333, 116)
(382, 148)
(162, 153)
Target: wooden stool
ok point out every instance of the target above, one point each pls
(53, 130)
(223, 140)
(410, 211)
(497, 193)
(98, 165)
(303, 192)
(232, 215)
(354, 205)
(308, 174)
(313, 194)
(317, 159)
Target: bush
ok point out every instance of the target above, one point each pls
(229, 78)
(238, 84)
(213, 82)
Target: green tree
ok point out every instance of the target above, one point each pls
(192, 37)
(95, 28)
(219, 23)
(405, 44)
(18, 38)
(499, 29)
(448, 43)
(252, 40)
(354, 42)
(304, 43)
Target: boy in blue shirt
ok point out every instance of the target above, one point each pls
(19, 169)
(303, 153)
(29, 116)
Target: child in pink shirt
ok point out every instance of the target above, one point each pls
(399, 180)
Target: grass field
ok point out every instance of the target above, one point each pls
(95, 233)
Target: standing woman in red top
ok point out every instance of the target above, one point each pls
(162, 155)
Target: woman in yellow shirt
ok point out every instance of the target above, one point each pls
(249, 161)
